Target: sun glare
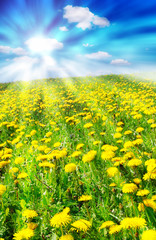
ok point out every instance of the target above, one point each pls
(41, 44)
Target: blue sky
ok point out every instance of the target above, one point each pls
(52, 38)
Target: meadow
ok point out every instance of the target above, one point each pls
(78, 159)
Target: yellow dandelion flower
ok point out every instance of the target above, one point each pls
(138, 141)
(19, 160)
(96, 142)
(57, 144)
(79, 146)
(88, 157)
(2, 189)
(112, 171)
(106, 224)
(48, 134)
(22, 175)
(149, 234)
(127, 132)
(24, 234)
(61, 219)
(33, 132)
(139, 129)
(84, 198)
(134, 222)
(137, 180)
(129, 188)
(143, 192)
(115, 229)
(32, 225)
(150, 203)
(76, 154)
(154, 197)
(46, 164)
(88, 125)
(107, 155)
(29, 213)
(81, 225)
(128, 144)
(117, 135)
(134, 162)
(67, 237)
(141, 207)
(70, 167)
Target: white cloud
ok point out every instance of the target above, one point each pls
(17, 51)
(98, 55)
(63, 28)
(101, 22)
(40, 44)
(87, 45)
(120, 62)
(83, 17)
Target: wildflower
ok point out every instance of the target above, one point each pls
(48, 134)
(141, 207)
(19, 145)
(134, 162)
(138, 141)
(119, 129)
(149, 234)
(88, 125)
(19, 160)
(106, 224)
(120, 123)
(117, 135)
(88, 157)
(91, 133)
(33, 132)
(46, 164)
(137, 180)
(67, 237)
(76, 154)
(112, 184)
(134, 222)
(60, 219)
(128, 144)
(32, 225)
(150, 203)
(84, 198)
(70, 167)
(24, 234)
(2, 189)
(107, 155)
(57, 144)
(14, 170)
(139, 129)
(29, 213)
(81, 225)
(115, 229)
(79, 146)
(143, 192)
(129, 188)
(127, 132)
(96, 142)
(112, 171)
(108, 147)
(22, 175)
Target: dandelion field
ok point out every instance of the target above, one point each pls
(78, 159)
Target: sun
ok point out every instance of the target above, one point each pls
(42, 45)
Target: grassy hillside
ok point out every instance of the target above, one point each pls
(78, 159)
